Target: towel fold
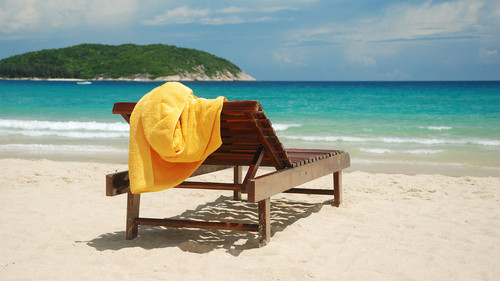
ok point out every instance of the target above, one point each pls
(171, 133)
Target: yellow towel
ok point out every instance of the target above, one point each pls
(171, 133)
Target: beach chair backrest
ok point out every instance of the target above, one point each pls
(244, 128)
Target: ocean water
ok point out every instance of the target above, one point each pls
(450, 128)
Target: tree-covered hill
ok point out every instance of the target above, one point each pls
(96, 61)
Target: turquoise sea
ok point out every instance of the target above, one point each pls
(450, 128)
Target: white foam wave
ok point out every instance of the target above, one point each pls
(63, 125)
(282, 127)
(488, 142)
(424, 151)
(66, 129)
(397, 140)
(327, 138)
(436, 128)
(389, 151)
(60, 148)
(376, 150)
(66, 134)
(401, 162)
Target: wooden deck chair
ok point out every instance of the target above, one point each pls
(248, 140)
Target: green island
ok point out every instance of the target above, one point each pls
(155, 62)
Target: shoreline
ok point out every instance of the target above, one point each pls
(121, 162)
(388, 227)
(182, 77)
(117, 80)
(357, 165)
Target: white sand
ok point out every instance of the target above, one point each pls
(57, 224)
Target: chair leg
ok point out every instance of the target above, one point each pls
(133, 204)
(264, 222)
(337, 188)
(238, 178)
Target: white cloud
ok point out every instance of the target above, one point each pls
(17, 16)
(238, 15)
(365, 60)
(397, 74)
(403, 22)
(374, 38)
(272, 9)
(428, 19)
(279, 57)
(489, 56)
(234, 9)
(492, 53)
(221, 20)
(360, 53)
(366, 40)
(276, 9)
(284, 57)
(181, 15)
(40, 15)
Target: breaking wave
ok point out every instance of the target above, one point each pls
(67, 129)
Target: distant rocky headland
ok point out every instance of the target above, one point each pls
(127, 62)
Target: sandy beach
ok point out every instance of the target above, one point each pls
(57, 224)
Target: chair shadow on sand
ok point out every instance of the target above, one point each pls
(284, 213)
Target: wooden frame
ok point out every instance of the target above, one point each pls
(248, 140)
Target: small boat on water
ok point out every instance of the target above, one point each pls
(83, 82)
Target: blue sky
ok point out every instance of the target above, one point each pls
(280, 40)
